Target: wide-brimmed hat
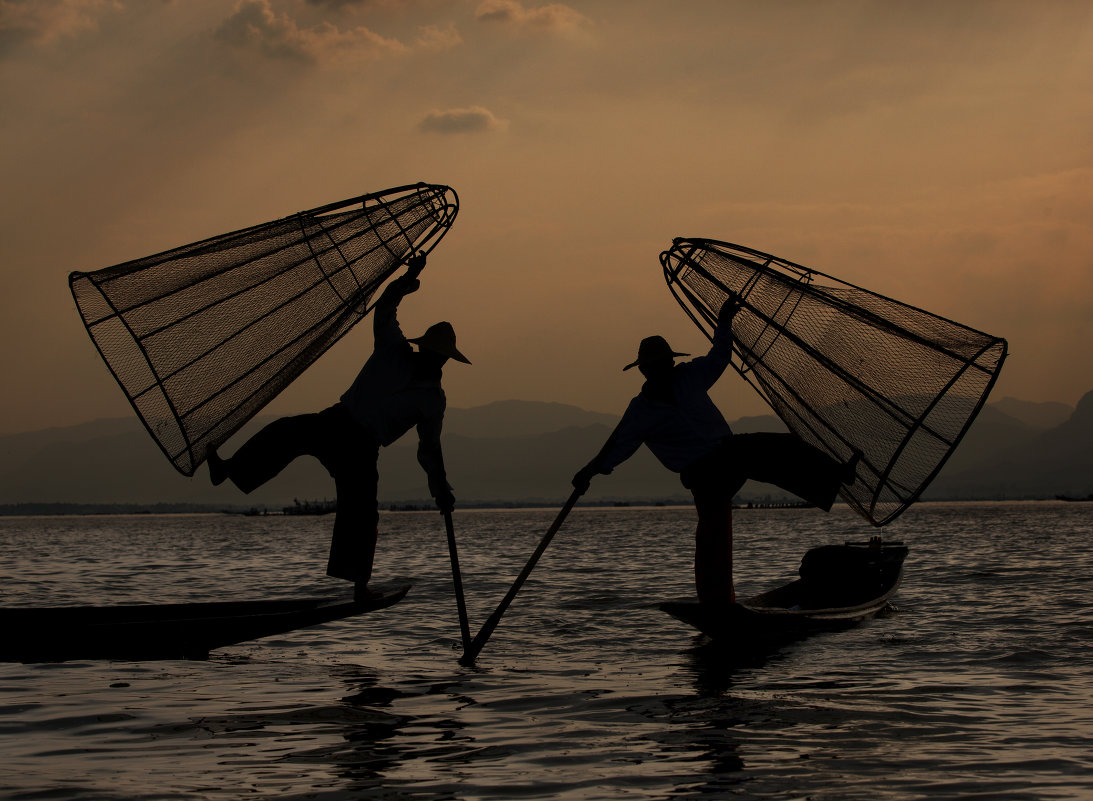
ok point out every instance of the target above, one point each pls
(653, 349)
(440, 338)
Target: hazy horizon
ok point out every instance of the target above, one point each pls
(937, 153)
(992, 400)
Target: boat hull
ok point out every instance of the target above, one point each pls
(840, 586)
(165, 631)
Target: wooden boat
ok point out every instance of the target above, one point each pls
(839, 586)
(165, 631)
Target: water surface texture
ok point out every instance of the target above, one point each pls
(979, 685)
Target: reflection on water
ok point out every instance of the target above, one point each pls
(979, 685)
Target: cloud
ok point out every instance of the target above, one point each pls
(474, 119)
(255, 26)
(433, 37)
(46, 21)
(555, 17)
(337, 3)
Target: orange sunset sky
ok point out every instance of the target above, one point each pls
(937, 152)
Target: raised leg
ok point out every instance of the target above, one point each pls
(790, 463)
(271, 450)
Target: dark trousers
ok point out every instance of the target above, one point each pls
(348, 453)
(779, 459)
(713, 547)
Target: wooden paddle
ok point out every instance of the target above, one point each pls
(470, 652)
(412, 272)
(457, 580)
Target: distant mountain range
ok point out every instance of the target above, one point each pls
(1016, 450)
(512, 452)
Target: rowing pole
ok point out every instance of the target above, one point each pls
(412, 272)
(457, 580)
(470, 652)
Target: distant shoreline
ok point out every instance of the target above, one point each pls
(58, 509)
(91, 509)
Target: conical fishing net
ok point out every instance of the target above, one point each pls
(844, 368)
(203, 336)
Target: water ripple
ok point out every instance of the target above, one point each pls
(977, 687)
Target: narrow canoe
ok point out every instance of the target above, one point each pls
(165, 631)
(839, 586)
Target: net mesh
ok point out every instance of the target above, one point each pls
(844, 368)
(201, 337)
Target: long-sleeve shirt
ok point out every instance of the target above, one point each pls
(683, 429)
(386, 398)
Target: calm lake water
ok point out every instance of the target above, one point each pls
(980, 685)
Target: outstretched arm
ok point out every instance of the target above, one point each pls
(431, 458)
(725, 317)
(385, 317)
(620, 446)
(713, 364)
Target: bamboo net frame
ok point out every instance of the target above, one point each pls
(844, 368)
(202, 336)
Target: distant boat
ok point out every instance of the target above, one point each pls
(1068, 498)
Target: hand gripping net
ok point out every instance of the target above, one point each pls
(203, 336)
(844, 368)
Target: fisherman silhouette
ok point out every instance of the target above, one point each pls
(674, 416)
(398, 388)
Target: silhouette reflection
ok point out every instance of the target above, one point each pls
(380, 744)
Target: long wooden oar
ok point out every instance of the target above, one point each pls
(470, 652)
(457, 580)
